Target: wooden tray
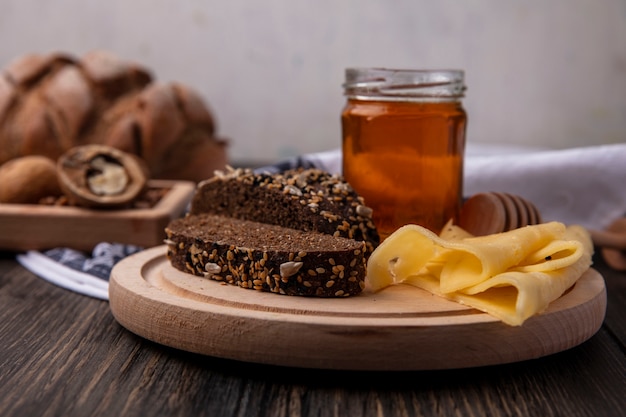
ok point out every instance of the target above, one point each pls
(36, 227)
(399, 328)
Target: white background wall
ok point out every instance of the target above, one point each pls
(539, 72)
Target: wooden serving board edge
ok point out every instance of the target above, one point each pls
(347, 342)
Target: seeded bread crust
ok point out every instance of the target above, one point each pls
(310, 200)
(266, 257)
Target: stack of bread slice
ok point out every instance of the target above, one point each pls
(301, 232)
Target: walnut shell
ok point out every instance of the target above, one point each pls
(99, 176)
(28, 179)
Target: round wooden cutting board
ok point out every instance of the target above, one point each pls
(399, 328)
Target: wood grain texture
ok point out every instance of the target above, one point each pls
(399, 328)
(28, 226)
(63, 354)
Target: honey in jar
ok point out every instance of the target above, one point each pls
(403, 144)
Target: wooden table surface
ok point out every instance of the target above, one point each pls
(63, 354)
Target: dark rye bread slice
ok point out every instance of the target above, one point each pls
(266, 257)
(310, 200)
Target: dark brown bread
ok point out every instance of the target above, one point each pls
(266, 257)
(310, 200)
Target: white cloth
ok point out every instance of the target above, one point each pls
(62, 275)
(585, 185)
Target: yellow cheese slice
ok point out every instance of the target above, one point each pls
(464, 262)
(511, 275)
(402, 254)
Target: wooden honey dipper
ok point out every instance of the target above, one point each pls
(495, 212)
(491, 212)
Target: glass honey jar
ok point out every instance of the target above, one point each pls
(404, 143)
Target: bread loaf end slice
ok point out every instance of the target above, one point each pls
(266, 257)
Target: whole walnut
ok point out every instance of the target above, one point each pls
(28, 179)
(51, 103)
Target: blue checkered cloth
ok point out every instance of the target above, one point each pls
(99, 263)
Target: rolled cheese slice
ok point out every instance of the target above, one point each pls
(512, 275)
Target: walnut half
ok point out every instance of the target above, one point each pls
(100, 176)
